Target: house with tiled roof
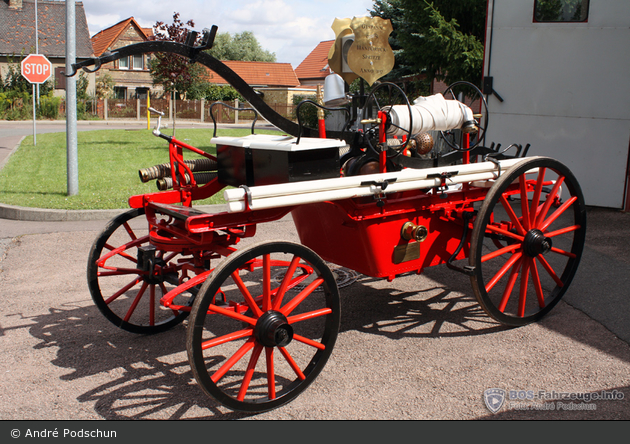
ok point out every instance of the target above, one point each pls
(17, 35)
(314, 68)
(131, 75)
(277, 83)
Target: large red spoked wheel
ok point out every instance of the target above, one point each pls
(527, 241)
(263, 326)
(127, 277)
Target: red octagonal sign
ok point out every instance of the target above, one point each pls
(36, 68)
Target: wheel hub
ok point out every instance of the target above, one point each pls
(273, 330)
(536, 243)
(148, 262)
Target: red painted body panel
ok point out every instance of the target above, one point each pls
(367, 244)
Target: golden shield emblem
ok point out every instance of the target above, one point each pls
(361, 48)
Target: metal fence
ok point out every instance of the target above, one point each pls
(196, 110)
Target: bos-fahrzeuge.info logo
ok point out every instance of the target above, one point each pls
(495, 398)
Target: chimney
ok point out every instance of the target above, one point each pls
(15, 4)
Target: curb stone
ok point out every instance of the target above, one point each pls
(13, 212)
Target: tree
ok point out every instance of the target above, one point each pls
(105, 87)
(174, 72)
(442, 39)
(243, 47)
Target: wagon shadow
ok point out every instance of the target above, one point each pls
(138, 376)
(384, 308)
(141, 377)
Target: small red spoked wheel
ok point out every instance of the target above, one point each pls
(527, 241)
(263, 326)
(121, 288)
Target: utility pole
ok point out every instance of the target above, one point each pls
(71, 101)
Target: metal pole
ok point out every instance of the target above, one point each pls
(35, 87)
(71, 101)
(34, 119)
(36, 45)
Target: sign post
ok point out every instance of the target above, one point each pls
(36, 68)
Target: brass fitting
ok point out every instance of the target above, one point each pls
(411, 231)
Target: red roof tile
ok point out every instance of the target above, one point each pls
(104, 39)
(315, 65)
(259, 73)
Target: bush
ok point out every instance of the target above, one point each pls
(308, 111)
(49, 108)
(14, 105)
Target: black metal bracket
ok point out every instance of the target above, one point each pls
(443, 178)
(199, 55)
(466, 269)
(488, 89)
(312, 102)
(214, 134)
(382, 185)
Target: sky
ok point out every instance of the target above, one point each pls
(289, 28)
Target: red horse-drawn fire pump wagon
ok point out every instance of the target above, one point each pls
(378, 197)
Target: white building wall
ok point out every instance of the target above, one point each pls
(566, 90)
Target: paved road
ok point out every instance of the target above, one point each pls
(414, 348)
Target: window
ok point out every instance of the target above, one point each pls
(138, 62)
(120, 92)
(60, 79)
(123, 63)
(561, 10)
(141, 93)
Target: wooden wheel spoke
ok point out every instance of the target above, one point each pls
(297, 300)
(506, 233)
(500, 252)
(512, 215)
(230, 313)
(504, 269)
(284, 286)
(557, 213)
(120, 272)
(549, 269)
(524, 204)
(563, 253)
(292, 363)
(251, 303)
(251, 367)
(122, 254)
(121, 251)
(271, 374)
(152, 305)
(136, 301)
(129, 231)
(533, 211)
(123, 290)
(234, 336)
(550, 199)
(310, 342)
(309, 315)
(266, 283)
(563, 231)
(510, 286)
(233, 360)
(537, 285)
(522, 296)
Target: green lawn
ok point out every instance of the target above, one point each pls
(109, 160)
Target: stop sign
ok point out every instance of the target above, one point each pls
(36, 68)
